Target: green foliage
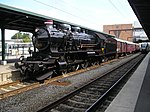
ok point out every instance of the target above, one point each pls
(24, 36)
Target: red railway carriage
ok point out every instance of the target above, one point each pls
(125, 47)
(121, 47)
(130, 47)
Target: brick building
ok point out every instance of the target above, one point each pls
(122, 31)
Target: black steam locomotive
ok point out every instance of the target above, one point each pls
(62, 48)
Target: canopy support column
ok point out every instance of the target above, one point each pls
(3, 62)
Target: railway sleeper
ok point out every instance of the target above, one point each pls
(66, 108)
(75, 104)
(84, 99)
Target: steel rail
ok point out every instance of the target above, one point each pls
(10, 84)
(19, 90)
(94, 106)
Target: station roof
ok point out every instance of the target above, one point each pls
(142, 8)
(22, 20)
(17, 19)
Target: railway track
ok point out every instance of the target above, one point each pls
(90, 96)
(13, 88)
(16, 87)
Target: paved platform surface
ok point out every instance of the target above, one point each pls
(135, 95)
(143, 102)
(7, 68)
(10, 63)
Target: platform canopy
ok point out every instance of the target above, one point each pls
(142, 10)
(21, 20)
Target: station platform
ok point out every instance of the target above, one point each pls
(8, 72)
(7, 68)
(135, 95)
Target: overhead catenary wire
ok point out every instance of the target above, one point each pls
(123, 8)
(63, 11)
(118, 11)
(120, 3)
(115, 7)
(55, 8)
(72, 6)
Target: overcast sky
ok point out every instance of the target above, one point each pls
(89, 13)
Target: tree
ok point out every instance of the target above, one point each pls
(17, 36)
(24, 36)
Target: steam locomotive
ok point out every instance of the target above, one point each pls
(62, 48)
